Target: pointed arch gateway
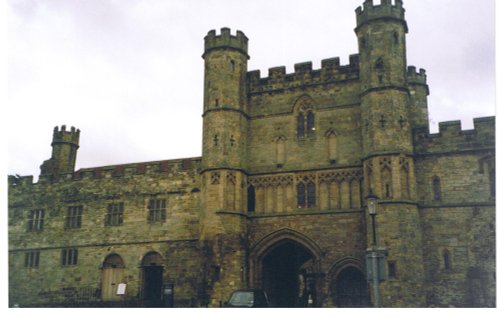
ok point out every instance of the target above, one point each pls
(285, 264)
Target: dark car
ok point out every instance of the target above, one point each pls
(249, 298)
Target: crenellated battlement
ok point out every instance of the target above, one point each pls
(62, 136)
(168, 167)
(278, 79)
(451, 137)
(386, 10)
(416, 78)
(226, 41)
(142, 168)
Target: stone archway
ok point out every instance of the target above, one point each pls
(285, 264)
(348, 285)
(112, 275)
(152, 279)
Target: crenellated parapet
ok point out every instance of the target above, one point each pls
(62, 136)
(451, 137)
(153, 168)
(278, 79)
(415, 77)
(418, 79)
(226, 41)
(385, 11)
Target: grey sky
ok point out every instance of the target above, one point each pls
(129, 73)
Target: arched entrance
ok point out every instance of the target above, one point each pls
(152, 279)
(283, 277)
(285, 265)
(112, 275)
(350, 288)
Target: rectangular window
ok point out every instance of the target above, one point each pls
(35, 220)
(392, 270)
(31, 259)
(115, 214)
(74, 217)
(69, 256)
(157, 210)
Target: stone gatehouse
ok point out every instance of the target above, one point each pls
(277, 199)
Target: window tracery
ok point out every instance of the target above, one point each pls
(306, 121)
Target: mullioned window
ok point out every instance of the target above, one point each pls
(157, 210)
(36, 220)
(69, 256)
(114, 216)
(74, 217)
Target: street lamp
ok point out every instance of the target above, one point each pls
(375, 255)
(372, 210)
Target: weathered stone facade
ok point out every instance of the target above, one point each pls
(277, 199)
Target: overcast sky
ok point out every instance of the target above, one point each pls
(129, 73)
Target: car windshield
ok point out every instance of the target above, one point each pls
(241, 299)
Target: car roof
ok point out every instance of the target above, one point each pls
(249, 290)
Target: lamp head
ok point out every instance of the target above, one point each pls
(372, 203)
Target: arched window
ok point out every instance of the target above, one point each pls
(280, 151)
(332, 146)
(303, 108)
(311, 195)
(306, 195)
(300, 126)
(386, 183)
(436, 188)
(251, 199)
(306, 126)
(310, 125)
(301, 195)
(446, 260)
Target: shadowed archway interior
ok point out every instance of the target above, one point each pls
(350, 289)
(152, 282)
(281, 270)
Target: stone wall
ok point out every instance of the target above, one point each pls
(172, 238)
(309, 145)
(457, 214)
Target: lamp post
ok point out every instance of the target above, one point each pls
(372, 210)
(373, 254)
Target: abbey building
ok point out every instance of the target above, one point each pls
(278, 198)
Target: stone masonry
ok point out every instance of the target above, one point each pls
(277, 199)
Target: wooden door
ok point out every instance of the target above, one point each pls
(111, 277)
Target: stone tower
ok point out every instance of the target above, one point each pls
(64, 147)
(222, 225)
(388, 147)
